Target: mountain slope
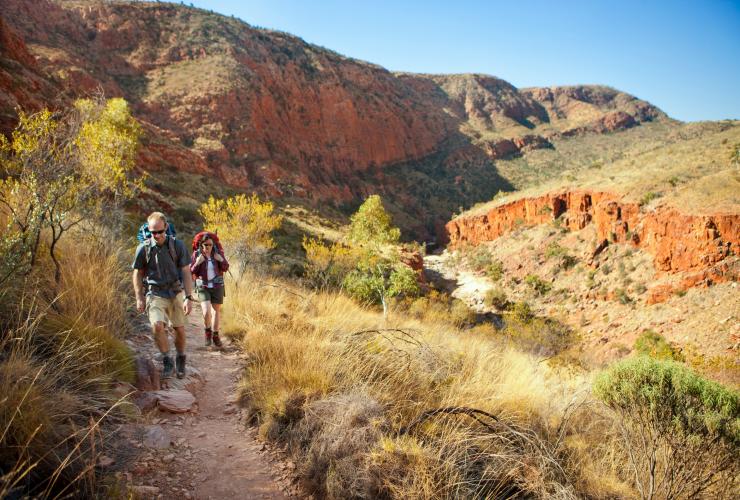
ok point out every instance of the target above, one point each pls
(263, 110)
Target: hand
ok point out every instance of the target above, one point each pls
(218, 257)
(140, 304)
(200, 260)
(187, 307)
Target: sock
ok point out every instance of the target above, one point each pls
(180, 353)
(165, 354)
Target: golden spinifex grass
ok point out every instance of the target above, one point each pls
(412, 408)
(60, 349)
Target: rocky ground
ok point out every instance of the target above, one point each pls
(191, 441)
(606, 301)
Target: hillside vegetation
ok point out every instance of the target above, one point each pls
(418, 408)
(689, 166)
(423, 398)
(63, 316)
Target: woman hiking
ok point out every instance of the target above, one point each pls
(208, 264)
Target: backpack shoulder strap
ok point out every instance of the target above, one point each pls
(173, 249)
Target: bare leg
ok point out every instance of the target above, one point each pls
(180, 339)
(216, 316)
(205, 309)
(160, 336)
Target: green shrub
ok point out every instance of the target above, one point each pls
(496, 297)
(377, 283)
(495, 271)
(648, 197)
(621, 269)
(461, 315)
(521, 311)
(554, 250)
(622, 296)
(538, 284)
(480, 259)
(681, 432)
(567, 261)
(590, 281)
(655, 345)
(539, 336)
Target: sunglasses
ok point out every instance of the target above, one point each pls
(207, 245)
(157, 232)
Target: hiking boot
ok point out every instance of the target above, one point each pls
(180, 361)
(208, 338)
(167, 367)
(217, 340)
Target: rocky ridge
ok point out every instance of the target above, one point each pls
(705, 249)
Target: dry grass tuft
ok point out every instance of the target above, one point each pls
(60, 349)
(365, 405)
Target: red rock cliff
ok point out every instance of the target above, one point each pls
(678, 242)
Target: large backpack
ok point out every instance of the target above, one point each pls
(207, 234)
(144, 234)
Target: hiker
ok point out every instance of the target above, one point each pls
(159, 263)
(208, 265)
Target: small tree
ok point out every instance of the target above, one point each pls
(60, 169)
(681, 432)
(372, 226)
(380, 274)
(244, 224)
(376, 280)
(327, 265)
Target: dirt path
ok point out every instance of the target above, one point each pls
(208, 452)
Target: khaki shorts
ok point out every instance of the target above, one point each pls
(162, 309)
(213, 295)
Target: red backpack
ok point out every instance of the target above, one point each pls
(204, 235)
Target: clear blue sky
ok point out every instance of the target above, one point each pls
(683, 56)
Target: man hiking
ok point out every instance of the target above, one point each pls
(159, 262)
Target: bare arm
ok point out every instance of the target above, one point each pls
(187, 280)
(137, 278)
(187, 283)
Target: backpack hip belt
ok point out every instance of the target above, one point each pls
(174, 287)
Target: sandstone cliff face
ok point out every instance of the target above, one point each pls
(258, 106)
(704, 247)
(21, 83)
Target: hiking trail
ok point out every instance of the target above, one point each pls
(207, 452)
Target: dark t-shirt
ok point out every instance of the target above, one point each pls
(161, 273)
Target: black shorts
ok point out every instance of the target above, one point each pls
(213, 295)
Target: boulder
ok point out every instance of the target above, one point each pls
(146, 401)
(175, 400)
(147, 375)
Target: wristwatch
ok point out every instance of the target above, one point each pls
(188, 297)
